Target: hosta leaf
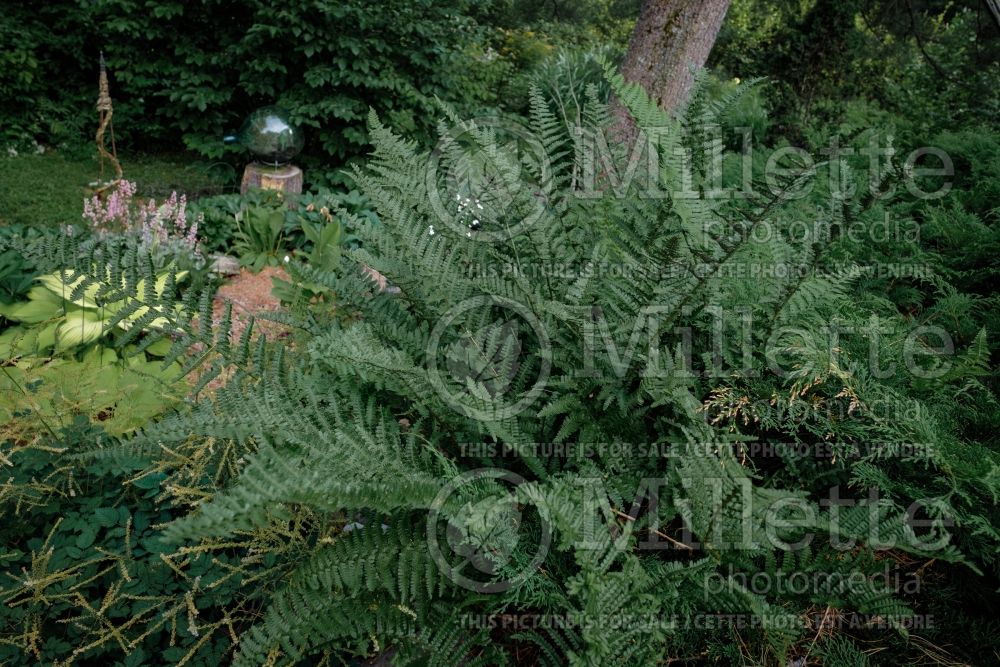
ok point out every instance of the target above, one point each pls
(80, 329)
(61, 288)
(41, 305)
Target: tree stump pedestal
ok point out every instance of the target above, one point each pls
(286, 179)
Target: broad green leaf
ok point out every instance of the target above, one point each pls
(18, 341)
(63, 288)
(82, 328)
(41, 305)
(47, 336)
(160, 348)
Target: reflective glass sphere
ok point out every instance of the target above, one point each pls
(270, 135)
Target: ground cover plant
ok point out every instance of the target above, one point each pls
(550, 375)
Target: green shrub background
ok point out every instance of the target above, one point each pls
(183, 73)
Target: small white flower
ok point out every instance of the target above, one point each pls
(430, 230)
(469, 234)
(287, 259)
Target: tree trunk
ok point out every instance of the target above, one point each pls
(672, 40)
(287, 179)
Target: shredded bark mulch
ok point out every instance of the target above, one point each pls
(250, 293)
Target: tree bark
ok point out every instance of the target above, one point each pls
(671, 40)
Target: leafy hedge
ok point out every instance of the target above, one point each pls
(192, 70)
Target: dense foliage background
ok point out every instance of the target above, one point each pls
(186, 73)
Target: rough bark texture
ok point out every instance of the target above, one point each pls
(672, 40)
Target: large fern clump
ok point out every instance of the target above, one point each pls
(584, 420)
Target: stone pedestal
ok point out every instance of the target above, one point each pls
(287, 179)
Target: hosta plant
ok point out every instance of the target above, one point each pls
(65, 311)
